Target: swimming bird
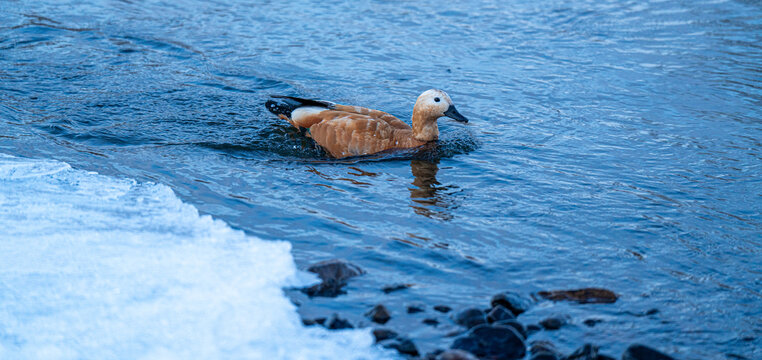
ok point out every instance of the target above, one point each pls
(345, 130)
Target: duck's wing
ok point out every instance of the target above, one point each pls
(345, 134)
(386, 117)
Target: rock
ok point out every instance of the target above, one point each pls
(544, 350)
(499, 313)
(315, 321)
(515, 325)
(334, 275)
(586, 352)
(412, 309)
(492, 342)
(470, 317)
(592, 322)
(337, 323)
(514, 302)
(430, 321)
(378, 314)
(402, 345)
(395, 287)
(582, 296)
(553, 323)
(455, 355)
(604, 357)
(442, 308)
(381, 334)
(653, 311)
(642, 352)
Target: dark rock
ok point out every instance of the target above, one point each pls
(456, 355)
(337, 323)
(533, 328)
(553, 323)
(592, 322)
(334, 275)
(379, 314)
(582, 296)
(432, 322)
(382, 334)
(395, 287)
(412, 309)
(315, 321)
(442, 308)
(652, 312)
(586, 352)
(604, 357)
(642, 352)
(470, 317)
(515, 325)
(544, 350)
(402, 345)
(514, 302)
(499, 313)
(492, 342)
(432, 355)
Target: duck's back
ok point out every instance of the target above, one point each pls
(345, 134)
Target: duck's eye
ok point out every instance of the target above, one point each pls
(436, 99)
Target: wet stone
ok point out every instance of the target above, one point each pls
(512, 301)
(586, 352)
(334, 275)
(337, 323)
(544, 350)
(515, 325)
(315, 321)
(553, 323)
(492, 342)
(412, 309)
(455, 355)
(395, 287)
(432, 322)
(470, 317)
(499, 313)
(381, 334)
(582, 296)
(642, 352)
(442, 308)
(379, 314)
(592, 322)
(402, 345)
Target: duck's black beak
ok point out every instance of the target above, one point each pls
(453, 113)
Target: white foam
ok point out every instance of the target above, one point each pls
(94, 267)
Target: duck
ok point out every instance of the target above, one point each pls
(347, 130)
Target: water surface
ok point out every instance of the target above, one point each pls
(612, 144)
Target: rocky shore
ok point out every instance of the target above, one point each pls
(493, 331)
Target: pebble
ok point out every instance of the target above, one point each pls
(442, 308)
(516, 325)
(586, 352)
(430, 321)
(592, 322)
(381, 334)
(334, 275)
(553, 323)
(499, 313)
(512, 301)
(455, 355)
(412, 309)
(315, 321)
(379, 314)
(337, 323)
(544, 350)
(402, 345)
(470, 317)
(642, 352)
(582, 296)
(492, 342)
(395, 287)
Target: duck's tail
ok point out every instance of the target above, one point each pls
(284, 105)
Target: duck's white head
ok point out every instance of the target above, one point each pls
(437, 103)
(430, 106)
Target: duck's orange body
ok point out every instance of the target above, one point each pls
(353, 131)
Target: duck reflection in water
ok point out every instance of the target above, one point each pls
(430, 198)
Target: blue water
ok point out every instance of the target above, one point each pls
(612, 144)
